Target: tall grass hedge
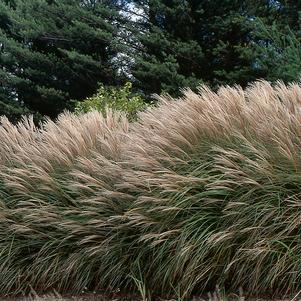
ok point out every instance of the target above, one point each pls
(200, 191)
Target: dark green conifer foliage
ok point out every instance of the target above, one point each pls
(54, 51)
(185, 42)
(278, 52)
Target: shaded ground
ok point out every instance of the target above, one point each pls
(83, 297)
(103, 297)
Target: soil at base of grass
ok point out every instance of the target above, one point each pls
(215, 296)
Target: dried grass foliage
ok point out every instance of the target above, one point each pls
(200, 191)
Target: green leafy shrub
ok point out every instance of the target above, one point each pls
(118, 99)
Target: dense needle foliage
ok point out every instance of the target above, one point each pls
(53, 53)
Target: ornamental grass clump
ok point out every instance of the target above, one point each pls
(198, 192)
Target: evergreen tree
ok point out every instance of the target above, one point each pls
(185, 42)
(279, 53)
(278, 50)
(54, 51)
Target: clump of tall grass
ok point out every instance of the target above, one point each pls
(201, 191)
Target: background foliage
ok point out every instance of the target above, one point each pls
(53, 53)
(121, 99)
